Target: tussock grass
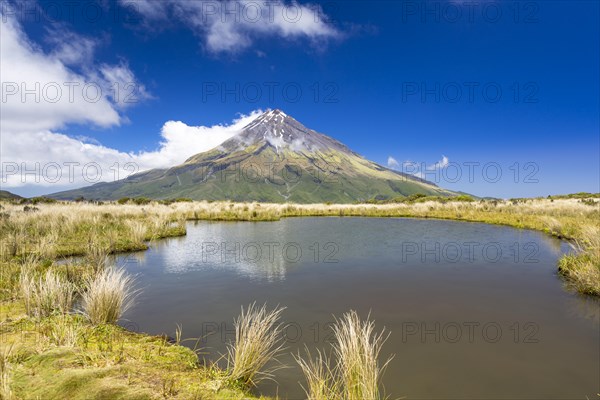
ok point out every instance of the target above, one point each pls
(107, 296)
(28, 288)
(357, 347)
(65, 229)
(46, 247)
(10, 280)
(357, 372)
(138, 230)
(47, 294)
(554, 226)
(583, 267)
(321, 379)
(590, 237)
(5, 373)
(97, 254)
(257, 341)
(64, 331)
(106, 362)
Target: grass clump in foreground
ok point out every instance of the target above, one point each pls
(105, 362)
(583, 267)
(356, 374)
(321, 381)
(62, 354)
(107, 296)
(357, 348)
(46, 294)
(5, 373)
(257, 342)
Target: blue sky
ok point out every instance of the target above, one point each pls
(383, 77)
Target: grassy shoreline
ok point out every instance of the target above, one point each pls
(111, 361)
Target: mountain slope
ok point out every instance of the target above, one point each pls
(6, 195)
(273, 159)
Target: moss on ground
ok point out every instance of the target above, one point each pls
(64, 357)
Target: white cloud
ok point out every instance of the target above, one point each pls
(181, 141)
(45, 153)
(41, 91)
(119, 82)
(426, 170)
(26, 67)
(44, 91)
(420, 170)
(232, 25)
(34, 155)
(443, 163)
(69, 47)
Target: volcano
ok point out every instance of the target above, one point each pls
(273, 159)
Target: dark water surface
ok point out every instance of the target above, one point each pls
(474, 310)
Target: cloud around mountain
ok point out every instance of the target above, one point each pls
(46, 155)
(63, 86)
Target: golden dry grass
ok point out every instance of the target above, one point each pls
(357, 347)
(321, 380)
(5, 373)
(46, 294)
(356, 371)
(583, 267)
(107, 295)
(257, 341)
(95, 230)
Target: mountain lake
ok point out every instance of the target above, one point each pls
(473, 311)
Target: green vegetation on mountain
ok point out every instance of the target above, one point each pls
(6, 195)
(274, 159)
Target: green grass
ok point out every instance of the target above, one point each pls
(100, 362)
(583, 268)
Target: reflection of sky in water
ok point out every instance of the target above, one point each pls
(249, 252)
(269, 250)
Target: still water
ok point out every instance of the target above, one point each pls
(474, 310)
